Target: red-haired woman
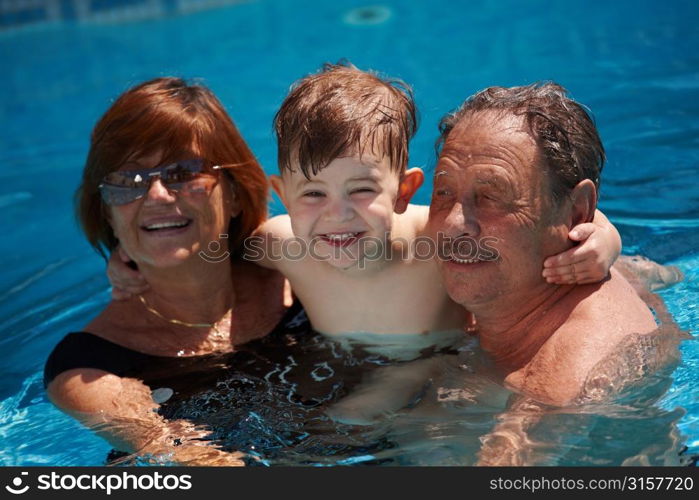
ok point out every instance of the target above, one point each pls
(169, 180)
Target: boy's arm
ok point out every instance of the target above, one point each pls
(590, 261)
(265, 246)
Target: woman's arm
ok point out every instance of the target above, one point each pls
(122, 411)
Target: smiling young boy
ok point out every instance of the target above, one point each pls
(342, 141)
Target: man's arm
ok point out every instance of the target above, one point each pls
(509, 444)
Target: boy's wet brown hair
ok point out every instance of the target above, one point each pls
(342, 111)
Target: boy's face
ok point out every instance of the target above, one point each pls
(346, 210)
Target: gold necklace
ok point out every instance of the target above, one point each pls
(181, 323)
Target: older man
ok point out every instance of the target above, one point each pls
(521, 166)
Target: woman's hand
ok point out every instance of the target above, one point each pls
(590, 261)
(126, 281)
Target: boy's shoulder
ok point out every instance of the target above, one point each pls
(413, 222)
(278, 226)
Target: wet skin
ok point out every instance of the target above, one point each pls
(546, 338)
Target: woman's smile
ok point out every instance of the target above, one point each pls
(166, 226)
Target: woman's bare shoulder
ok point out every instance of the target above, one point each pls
(119, 320)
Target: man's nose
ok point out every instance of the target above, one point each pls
(338, 210)
(462, 221)
(158, 193)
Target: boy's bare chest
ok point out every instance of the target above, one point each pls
(404, 298)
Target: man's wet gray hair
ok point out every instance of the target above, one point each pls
(563, 129)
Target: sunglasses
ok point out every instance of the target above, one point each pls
(187, 177)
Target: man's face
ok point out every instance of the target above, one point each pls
(350, 199)
(489, 183)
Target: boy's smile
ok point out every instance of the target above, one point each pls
(341, 239)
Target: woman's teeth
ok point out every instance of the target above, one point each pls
(166, 225)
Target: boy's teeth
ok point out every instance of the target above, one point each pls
(163, 225)
(343, 236)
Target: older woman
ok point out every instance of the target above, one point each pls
(169, 179)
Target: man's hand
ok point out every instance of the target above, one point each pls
(126, 282)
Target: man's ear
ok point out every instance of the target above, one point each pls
(278, 186)
(410, 182)
(583, 202)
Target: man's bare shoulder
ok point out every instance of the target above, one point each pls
(599, 325)
(596, 372)
(557, 373)
(613, 311)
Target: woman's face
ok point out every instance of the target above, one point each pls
(166, 228)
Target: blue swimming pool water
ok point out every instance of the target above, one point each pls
(635, 64)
